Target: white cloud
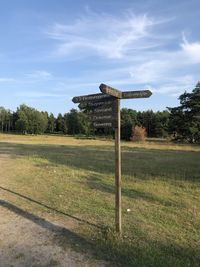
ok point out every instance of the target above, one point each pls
(176, 85)
(191, 50)
(175, 70)
(130, 51)
(39, 75)
(150, 71)
(104, 35)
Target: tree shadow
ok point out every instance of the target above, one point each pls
(158, 140)
(50, 208)
(63, 235)
(124, 252)
(97, 184)
(136, 162)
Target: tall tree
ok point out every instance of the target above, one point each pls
(155, 123)
(77, 122)
(161, 123)
(146, 120)
(128, 121)
(51, 123)
(30, 120)
(5, 119)
(184, 120)
(59, 123)
(65, 124)
(21, 121)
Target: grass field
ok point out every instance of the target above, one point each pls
(65, 178)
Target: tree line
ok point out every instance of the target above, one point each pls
(182, 122)
(31, 121)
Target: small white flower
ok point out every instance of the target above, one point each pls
(128, 210)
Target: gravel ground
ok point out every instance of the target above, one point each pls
(29, 241)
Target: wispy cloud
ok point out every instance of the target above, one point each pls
(176, 86)
(191, 50)
(39, 75)
(131, 50)
(171, 72)
(104, 35)
(135, 48)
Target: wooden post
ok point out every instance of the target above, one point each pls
(104, 111)
(118, 171)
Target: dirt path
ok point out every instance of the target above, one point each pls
(29, 241)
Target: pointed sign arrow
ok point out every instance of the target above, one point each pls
(136, 94)
(94, 97)
(105, 89)
(110, 91)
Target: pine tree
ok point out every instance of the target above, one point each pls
(51, 123)
(185, 119)
(128, 121)
(59, 123)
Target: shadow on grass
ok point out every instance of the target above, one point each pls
(158, 141)
(49, 208)
(136, 162)
(96, 183)
(70, 237)
(121, 252)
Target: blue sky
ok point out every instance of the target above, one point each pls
(53, 50)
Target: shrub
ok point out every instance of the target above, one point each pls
(138, 133)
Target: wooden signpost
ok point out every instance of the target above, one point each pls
(104, 111)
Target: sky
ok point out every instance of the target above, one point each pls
(53, 50)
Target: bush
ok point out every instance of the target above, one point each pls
(138, 133)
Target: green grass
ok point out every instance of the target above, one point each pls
(161, 187)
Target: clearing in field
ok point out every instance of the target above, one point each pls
(70, 184)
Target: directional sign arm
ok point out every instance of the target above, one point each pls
(95, 104)
(136, 94)
(94, 97)
(105, 89)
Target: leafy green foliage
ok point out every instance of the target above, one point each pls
(184, 120)
(51, 123)
(5, 119)
(77, 122)
(155, 123)
(29, 120)
(59, 123)
(128, 120)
